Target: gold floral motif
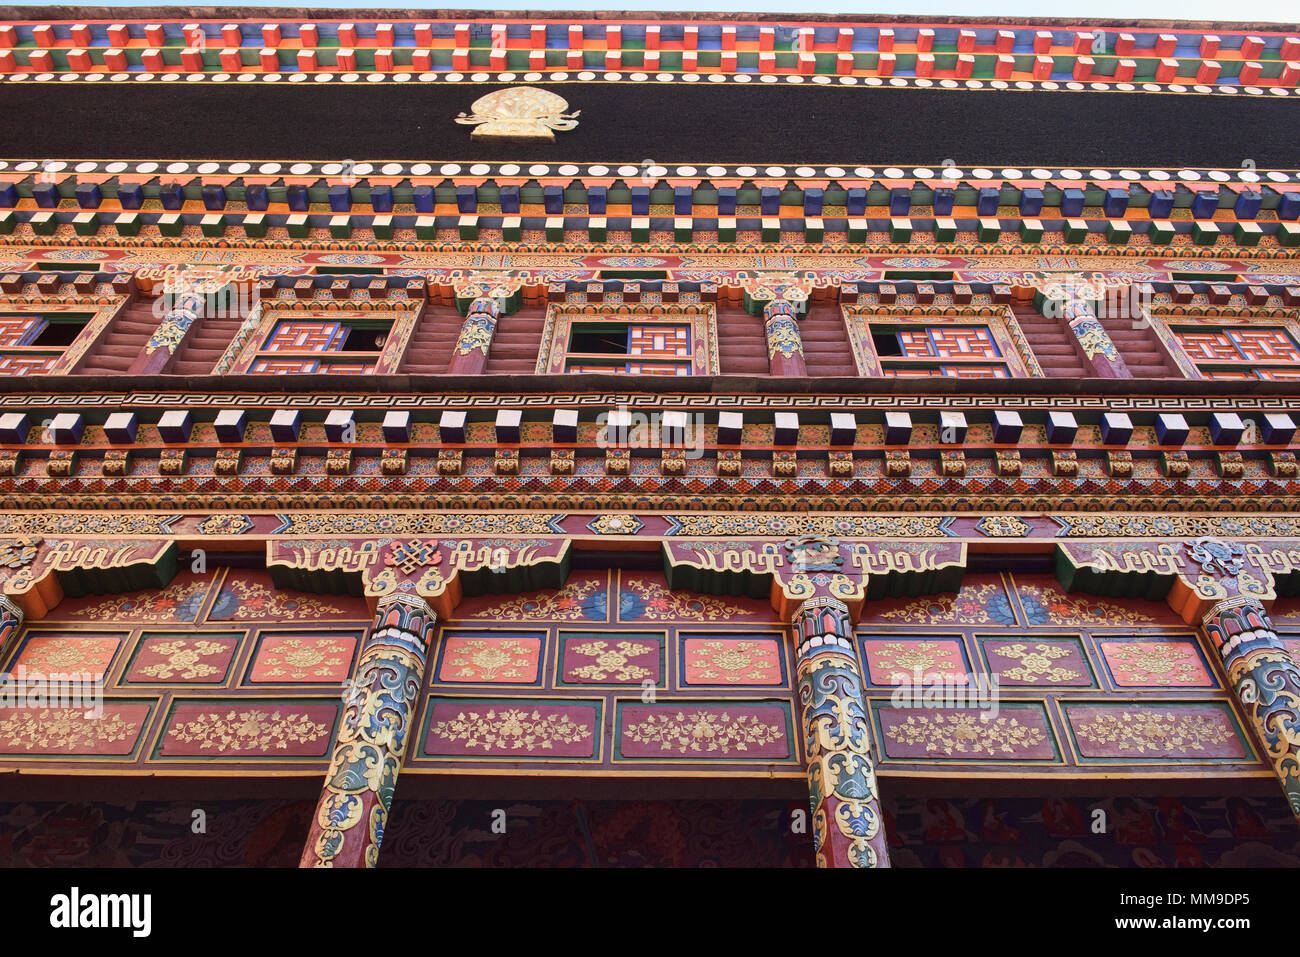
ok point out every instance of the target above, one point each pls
(743, 661)
(146, 606)
(519, 113)
(1176, 663)
(971, 604)
(698, 731)
(64, 729)
(511, 729)
(1036, 663)
(966, 733)
(302, 658)
(183, 659)
(259, 602)
(249, 730)
(660, 603)
(489, 661)
(1147, 730)
(917, 654)
(611, 664)
(563, 604)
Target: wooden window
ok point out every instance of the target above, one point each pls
(339, 347)
(31, 343)
(965, 351)
(629, 348)
(1240, 352)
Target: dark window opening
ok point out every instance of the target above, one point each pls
(59, 334)
(633, 274)
(364, 340)
(611, 342)
(886, 344)
(918, 275)
(350, 270)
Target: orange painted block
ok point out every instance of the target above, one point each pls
(421, 61)
(885, 41)
(1042, 67)
(614, 38)
(424, 34)
(537, 36)
(1208, 71)
(690, 61)
(44, 35)
(155, 34)
(80, 33)
(232, 35)
(651, 61)
(613, 59)
(691, 38)
(7, 37)
(844, 64)
(152, 60)
(652, 38)
(576, 40)
(384, 61)
(844, 39)
(1125, 43)
(271, 35)
(499, 37)
(79, 61)
(925, 64)
(41, 61)
(346, 58)
(497, 59)
(347, 34)
(965, 66)
(574, 59)
(384, 34)
(231, 61)
(807, 64)
(1290, 49)
(270, 60)
(885, 64)
(191, 60)
(1251, 47)
(1082, 43)
(1209, 46)
(925, 40)
(1166, 43)
(965, 41)
(462, 33)
(118, 34)
(1004, 67)
(1083, 67)
(728, 61)
(8, 62)
(308, 35)
(1166, 70)
(728, 40)
(115, 59)
(1250, 73)
(536, 59)
(307, 61)
(460, 59)
(1124, 70)
(193, 35)
(1005, 42)
(1042, 41)
(1290, 73)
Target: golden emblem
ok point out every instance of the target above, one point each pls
(519, 113)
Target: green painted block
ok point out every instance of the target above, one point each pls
(989, 230)
(857, 230)
(1076, 230)
(255, 225)
(900, 230)
(426, 227)
(555, 229)
(468, 227)
(341, 227)
(814, 230)
(44, 223)
(1031, 230)
(8, 220)
(1288, 234)
(382, 226)
(171, 224)
(87, 223)
(727, 229)
(1161, 232)
(597, 229)
(128, 224)
(512, 230)
(1205, 232)
(640, 229)
(1118, 232)
(298, 225)
(683, 229)
(1247, 234)
(945, 230)
(213, 225)
(770, 229)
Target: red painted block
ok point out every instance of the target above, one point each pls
(1166, 70)
(271, 35)
(885, 64)
(190, 34)
(1083, 67)
(613, 38)
(152, 60)
(79, 61)
(613, 59)
(1004, 67)
(1251, 47)
(118, 34)
(1124, 44)
(925, 40)
(690, 61)
(1209, 46)
(885, 41)
(347, 34)
(1166, 43)
(1208, 71)
(728, 61)
(1290, 48)
(1124, 70)
(965, 66)
(925, 64)
(308, 35)
(7, 38)
(652, 38)
(44, 35)
(270, 60)
(424, 34)
(573, 59)
(384, 60)
(422, 61)
(1290, 73)
(843, 64)
(8, 63)
(576, 40)
(844, 39)
(155, 34)
(307, 61)
(460, 59)
(651, 61)
(115, 59)
(1250, 73)
(536, 60)
(1042, 68)
(80, 35)
(1082, 43)
(41, 61)
(537, 36)
(691, 38)
(728, 38)
(965, 41)
(498, 36)
(461, 32)
(384, 34)
(1005, 42)
(1042, 41)
(346, 58)
(807, 64)
(232, 35)
(191, 60)
(231, 62)
(497, 59)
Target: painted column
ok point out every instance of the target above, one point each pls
(171, 332)
(1266, 682)
(784, 345)
(11, 620)
(1098, 347)
(471, 353)
(367, 752)
(848, 825)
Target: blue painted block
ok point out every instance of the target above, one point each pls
(297, 198)
(1204, 204)
(1071, 202)
(986, 203)
(89, 196)
(285, 425)
(1031, 201)
(340, 199)
(597, 200)
(1248, 204)
(856, 204)
(1007, 426)
(230, 425)
(553, 200)
(172, 196)
(1226, 428)
(256, 197)
(1162, 204)
(944, 197)
(1061, 427)
(14, 427)
(214, 198)
(467, 199)
(900, 201)
(727, 200)
(1116, 428)
(422, 197)
(898, 428)
(1116, 202)
(1279, 428)
(769, 201)
(1288, 206)
(509, 200)
(175, 426)
(8, 195)
(640, 200)
(1171, 428)
(120, 428)
(46, 195)
(381, 199)
(683, 200)
(813, 199)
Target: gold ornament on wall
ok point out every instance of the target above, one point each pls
(519, 113)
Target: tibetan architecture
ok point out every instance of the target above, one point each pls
(646, 439)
